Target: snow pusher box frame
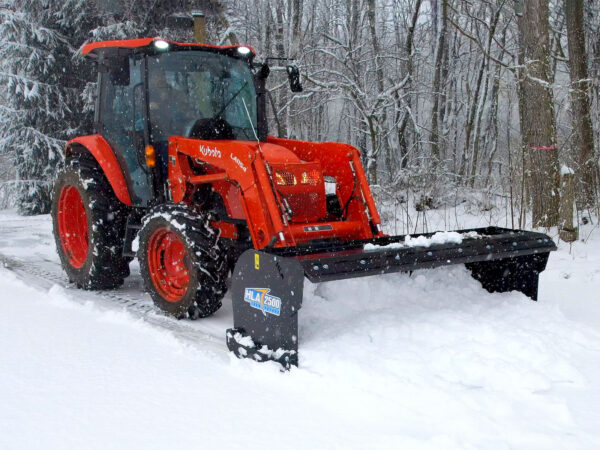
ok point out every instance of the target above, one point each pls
(267, 286)
(182, 174)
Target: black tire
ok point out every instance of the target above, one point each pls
(104, 266)
(205, 260)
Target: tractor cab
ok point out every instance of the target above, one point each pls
(152, 89)
(200, 94)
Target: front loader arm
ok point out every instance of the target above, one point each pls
(238, 164)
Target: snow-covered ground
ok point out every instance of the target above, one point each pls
(396, 361)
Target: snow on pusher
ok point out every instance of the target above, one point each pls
(182, 174)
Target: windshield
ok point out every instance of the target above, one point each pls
(186, 87)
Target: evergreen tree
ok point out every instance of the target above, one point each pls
(40, 103)
(47, 90)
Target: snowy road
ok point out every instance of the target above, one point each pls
(423, 361)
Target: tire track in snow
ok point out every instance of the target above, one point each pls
(36, 275)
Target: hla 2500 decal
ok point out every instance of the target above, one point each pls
(259, 298)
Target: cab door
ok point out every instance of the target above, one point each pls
(123, 124)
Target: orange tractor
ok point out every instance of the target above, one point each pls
(181, 172)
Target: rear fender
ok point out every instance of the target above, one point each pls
(104, 155)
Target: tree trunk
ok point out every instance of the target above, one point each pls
(376, 138)
(536, 105)
(478, 106)
(437, 83)
(296, 40)
(409, 54)
(567, 231)
(492, 129)
(283, 93)
(580, 105)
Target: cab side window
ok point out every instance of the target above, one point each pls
(123, 122)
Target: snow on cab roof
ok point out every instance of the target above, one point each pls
(91, 48)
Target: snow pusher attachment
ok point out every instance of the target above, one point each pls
(267, 285)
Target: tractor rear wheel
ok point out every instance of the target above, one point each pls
(182, 262)
(88, 226)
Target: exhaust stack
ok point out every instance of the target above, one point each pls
(199, 27)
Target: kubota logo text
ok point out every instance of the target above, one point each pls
(207, 151)
(259, 298)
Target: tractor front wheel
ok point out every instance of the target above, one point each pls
(182, 263)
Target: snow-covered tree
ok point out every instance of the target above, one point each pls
(47, 88)
(40, 102)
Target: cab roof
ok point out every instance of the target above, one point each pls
(94, 48)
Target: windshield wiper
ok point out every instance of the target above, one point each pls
(230, 100)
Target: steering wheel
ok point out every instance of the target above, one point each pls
(213, 128)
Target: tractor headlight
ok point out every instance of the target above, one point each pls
(161, 44)
(310, 177)
(285, 178)
(244, 51)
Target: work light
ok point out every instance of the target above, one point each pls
(161, 45)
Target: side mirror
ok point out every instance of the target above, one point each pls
(294, 77)
(263, 72)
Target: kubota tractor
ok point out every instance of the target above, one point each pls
(181, 172)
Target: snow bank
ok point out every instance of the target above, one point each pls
(423, 361)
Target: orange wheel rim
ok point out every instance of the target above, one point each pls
(167, 264)
(73, 226)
